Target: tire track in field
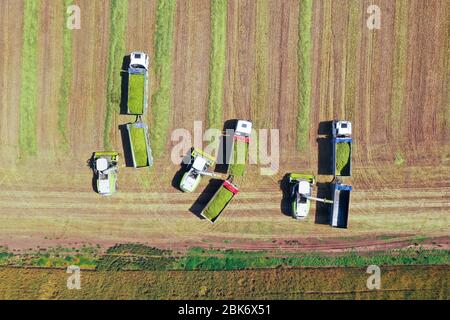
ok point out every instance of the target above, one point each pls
(49, 77)
(86, 113)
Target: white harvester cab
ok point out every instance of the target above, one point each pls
(243, 128)
(302, 202)
(139, 60)
(199, 163)
(342, 128)
(101, 164)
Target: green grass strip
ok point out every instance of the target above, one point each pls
(399, 65)
(66, 78)
(29, 79)
(162, 62)
(140, 257)
(217, 62)
(117, 29)
(351, 72)
(238, 260)
(304, 52)
(261, 109)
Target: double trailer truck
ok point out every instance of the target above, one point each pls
(238, 155)
(342, 148)
(219, 201)
(137, 84)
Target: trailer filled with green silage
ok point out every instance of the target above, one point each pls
(219, 201)
(342, 156)
(137, 97)
(140, 144)
(237, 167)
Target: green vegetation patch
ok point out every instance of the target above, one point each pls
(117, 28)
(137, 249)
(215, 207)
(217, 62)
(29, 79)
(201, 259)
(136, 93)
(342, 156)
(141, 257)
(304, 52)
(161, 99)
(66, 79)
(352, 62)
(237, 168)
(399, 159)
(139, 143)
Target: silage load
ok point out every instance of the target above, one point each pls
(342, 156)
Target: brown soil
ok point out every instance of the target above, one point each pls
(50, 201)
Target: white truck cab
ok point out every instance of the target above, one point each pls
(342, 128)
(243, 128)
(139, 60)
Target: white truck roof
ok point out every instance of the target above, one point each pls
(343, 128)
(199, 163)
(244, 127)
(139, 59)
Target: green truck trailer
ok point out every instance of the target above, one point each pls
(140, 144)
(238, 157)
(219, 201)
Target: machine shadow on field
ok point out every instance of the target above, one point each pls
(224, 147)
(127, 156)
(183, 169)
(324, 148)
(323, 209)
(285, 204)
(90, 164)
(205, 196)
(124, 85)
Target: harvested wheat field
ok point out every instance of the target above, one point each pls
(59, 102)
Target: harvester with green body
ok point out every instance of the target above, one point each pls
(198, 166)
(301, 194)
(105, 168)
